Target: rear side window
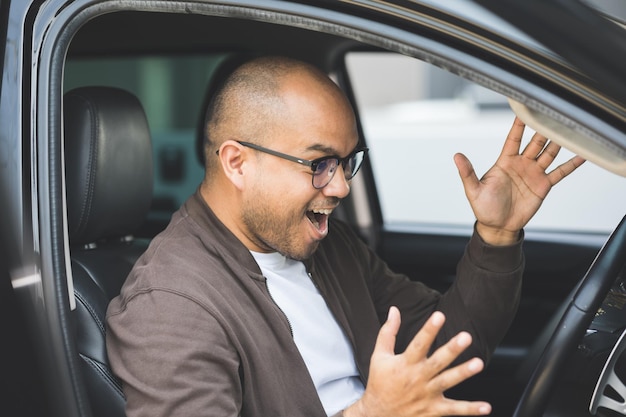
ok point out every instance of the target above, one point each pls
(417, 116)
(171, 90)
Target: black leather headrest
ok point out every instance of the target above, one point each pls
(108, 163)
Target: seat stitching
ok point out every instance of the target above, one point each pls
(103, 371)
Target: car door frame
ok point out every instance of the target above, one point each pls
(40, 33)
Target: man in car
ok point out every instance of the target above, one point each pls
(255, 302)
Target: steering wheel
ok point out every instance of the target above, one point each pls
(577, 317)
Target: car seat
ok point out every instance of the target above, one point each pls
(108, 159)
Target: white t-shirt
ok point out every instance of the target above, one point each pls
(319, 338)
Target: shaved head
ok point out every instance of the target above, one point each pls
(251, 105)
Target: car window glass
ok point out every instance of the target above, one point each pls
(416, 116)
(171, 90)
(3, 37)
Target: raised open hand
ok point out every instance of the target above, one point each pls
(412, 384)
(510, 193)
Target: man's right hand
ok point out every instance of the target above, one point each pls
(412, 383)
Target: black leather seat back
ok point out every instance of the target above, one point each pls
(108, 160)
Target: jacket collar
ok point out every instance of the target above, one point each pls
(217, 237)
(230, 247)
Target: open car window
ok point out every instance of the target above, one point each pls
(417, 119)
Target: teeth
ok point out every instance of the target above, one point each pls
(322, 211)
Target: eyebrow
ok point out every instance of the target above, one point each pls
(327, 150)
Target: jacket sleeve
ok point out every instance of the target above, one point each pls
(485, 296)
(482, 300)
(157, 345)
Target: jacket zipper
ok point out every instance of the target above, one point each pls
(267, 288)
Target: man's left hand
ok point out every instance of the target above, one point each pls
(510, 193)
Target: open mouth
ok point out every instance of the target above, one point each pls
(319, 218)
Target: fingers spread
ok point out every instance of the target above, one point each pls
(463, 408)
(453, 376)
(548, 155)
(447, 353)
(386, 341)
(420, 345)
(464, 166)
(413, 383)
(535, 146)
(565, 169)
(514, 139)
(467, 173)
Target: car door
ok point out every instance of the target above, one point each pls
(422, 248)
(22, 393)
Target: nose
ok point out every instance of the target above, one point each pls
(338, 186)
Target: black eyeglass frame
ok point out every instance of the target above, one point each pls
(313, 164)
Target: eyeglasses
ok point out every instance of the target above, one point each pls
(323, 168)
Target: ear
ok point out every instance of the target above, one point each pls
(233, 160)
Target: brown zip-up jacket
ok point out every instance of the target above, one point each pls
(194, 331)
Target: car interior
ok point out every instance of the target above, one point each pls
(101, 262)
(109, 190)
(115, 179)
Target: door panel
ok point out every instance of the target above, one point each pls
(22, 392)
